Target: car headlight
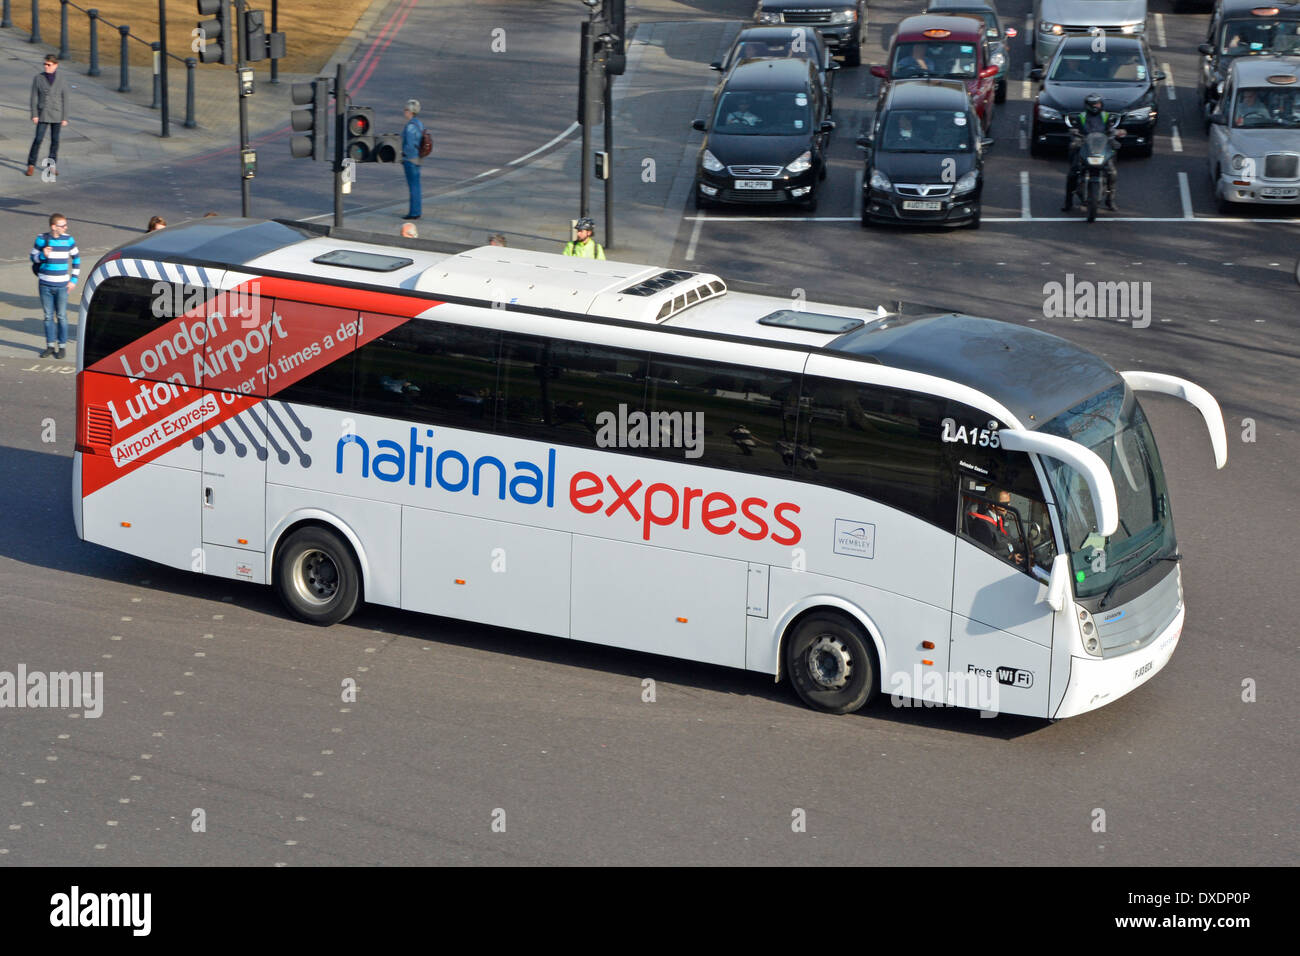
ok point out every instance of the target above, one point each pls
(998, 59)
(1047, 113)
(1140, 115)
(1133, 28)
(764, 17)
(1238, 161)
(844, 16)
(1047, 27)
(880, 181)
(801, 164)
(710, 162)
(967, 183)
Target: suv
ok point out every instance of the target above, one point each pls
(1058, 19)
(944, 48)
(766, 141)
(999, 51)
(766, 43)
(1241, 28)
(925, 156)
(842, 23)
(1254, 149)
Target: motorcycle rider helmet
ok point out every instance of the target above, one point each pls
(1092, 103)
(585, 223)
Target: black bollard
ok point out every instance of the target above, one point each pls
(190, 64)
(94, 42)
(125, 85)
(63, 29)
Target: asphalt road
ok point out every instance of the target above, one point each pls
(216, 701)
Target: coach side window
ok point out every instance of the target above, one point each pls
(433, 372)
(880, 443)
(723, 416)
(122, 311)
(557, 391)
(302, 367)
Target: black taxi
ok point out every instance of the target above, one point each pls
(1243, 28)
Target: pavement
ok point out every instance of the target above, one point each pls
(531, 199)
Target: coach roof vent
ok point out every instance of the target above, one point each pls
(543, 280)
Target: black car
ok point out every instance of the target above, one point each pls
(925, 156)
(767, 138)
(765, 43)
(1121, 73)
(999, 52)
(842, 23)
(1244, 28)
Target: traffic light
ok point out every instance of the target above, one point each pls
(360, 127)
(253, 35)
(616, 54)
(313, 121)
(388, 147)
(216, 34)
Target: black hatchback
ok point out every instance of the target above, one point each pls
(767, 138)
(925, 156)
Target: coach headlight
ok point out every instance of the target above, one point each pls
(1091, 639)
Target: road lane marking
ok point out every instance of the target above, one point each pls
(1026, 85)
(1024, 132)
(547, 145)
(1185, 194)
(1175, 139)
(1024, 194)
(859, 199)
(1160, 29)
(695, 237)
(1029, 32)
(1169, 80)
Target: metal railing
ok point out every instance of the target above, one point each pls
(124, 55)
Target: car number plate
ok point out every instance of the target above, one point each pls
(915, 204)
(753, 184)
(1279, 192)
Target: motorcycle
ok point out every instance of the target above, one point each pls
(1094, 156)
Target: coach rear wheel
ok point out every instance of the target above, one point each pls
(831, 664)
(317, 577)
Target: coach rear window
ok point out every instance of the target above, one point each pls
(121, 311)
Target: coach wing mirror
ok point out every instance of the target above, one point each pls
(698, 125)
(1058, 584)
(1194, 395)
(1101, 487)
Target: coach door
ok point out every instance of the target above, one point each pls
(235, 451)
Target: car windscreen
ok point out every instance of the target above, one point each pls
(763, 113)
(1082, 65)
(1266, 108)
(942, 58)
(927, 131)
(1259, 35)
(795, 45)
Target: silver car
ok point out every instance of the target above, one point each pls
(1054, 20)
(1254, 150)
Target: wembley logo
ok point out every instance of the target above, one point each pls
(855, 538)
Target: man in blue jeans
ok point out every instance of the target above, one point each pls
(59, 265)
(412, 134)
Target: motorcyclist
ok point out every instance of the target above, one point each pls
(1093, 119)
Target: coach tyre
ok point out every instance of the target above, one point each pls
(831, 664)
(317, 577)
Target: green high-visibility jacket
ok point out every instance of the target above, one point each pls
(584, 250)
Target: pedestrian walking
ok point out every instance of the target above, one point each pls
(57, 262)
(584, 246)
(413, 140)
(49, 107)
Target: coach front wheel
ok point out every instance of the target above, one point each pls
(317, 577)
(831, 664)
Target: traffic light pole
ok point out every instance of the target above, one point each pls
(245, 184)
(162, 67)
(609, 161)
(588, 114)
(340, 135)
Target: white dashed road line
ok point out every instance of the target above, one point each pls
(1160, 29)
(695, 236)
(1186, 195)
(547, 145)
(1029, 32)
(1175, 140)
(1169, 80)
(1024, 194)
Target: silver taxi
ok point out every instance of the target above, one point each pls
(1254, 152)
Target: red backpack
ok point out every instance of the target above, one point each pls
(426, 143)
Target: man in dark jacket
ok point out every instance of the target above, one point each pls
(49, 107)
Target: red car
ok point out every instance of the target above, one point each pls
(950, 48)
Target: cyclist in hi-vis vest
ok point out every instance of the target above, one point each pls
(1093, 119)
(584, 247)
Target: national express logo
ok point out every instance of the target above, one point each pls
(419, 461)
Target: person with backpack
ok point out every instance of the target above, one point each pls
(417, 143)
(56, 261)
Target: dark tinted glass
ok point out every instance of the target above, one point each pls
(552, 390)
(430, 372)
(121, 311)
(723, 416)
(879, 443)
